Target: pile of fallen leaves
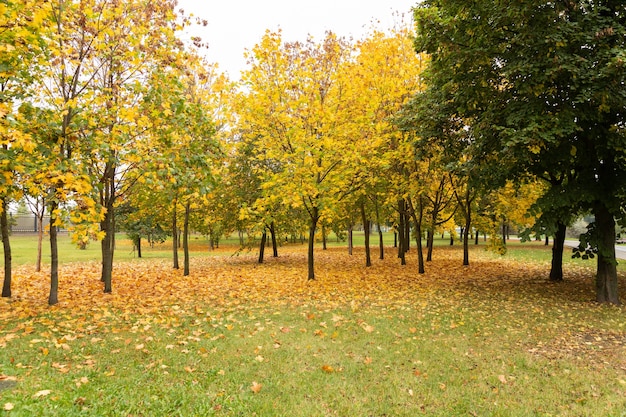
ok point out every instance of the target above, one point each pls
(150, 287)
(230, 280)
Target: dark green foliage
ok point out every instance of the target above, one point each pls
(541, 90)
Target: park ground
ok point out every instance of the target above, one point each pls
(235, 338)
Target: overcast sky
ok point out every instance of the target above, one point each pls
(236, 25)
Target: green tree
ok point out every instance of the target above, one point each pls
(543, 84)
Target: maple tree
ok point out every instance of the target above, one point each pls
(384, 75)
(294, 104)
(20, 45)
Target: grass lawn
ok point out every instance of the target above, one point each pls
(236, 338)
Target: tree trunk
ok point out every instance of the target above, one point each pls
(476, 237)
(556, 271)
(175, 238)
(53, 298)
(381, 243)
(466, 236)
(312, 227)
(548, 239)
(350, 239)
(606, 278)
(39, 241)
(407, 232)
(418, 216)
(430, 244)
(138, 244)
(186, 240)
(6, 244)
(274, 244)
(366, 225)
(262, 246)
(324, 237)
(107, 248)
(401, 231)
(107, 199)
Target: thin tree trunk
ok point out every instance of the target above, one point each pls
(407, 232)
(274, 244)
(175, 238)
(262, 246)
(312, 227)
(368, 258)
(466, 236)
(381, 243)
(476, 237)
(107, 199)
(350, 239)
(138, 244)
(324, 237)
(430, 244)
(6, 244)
(39, 242)
(606, 278)
(418, 216)
(556, 271)
(53, 298)
(401, 232)
(186, 239)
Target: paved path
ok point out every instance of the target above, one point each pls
(620, 250)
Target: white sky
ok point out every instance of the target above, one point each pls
(236, 25)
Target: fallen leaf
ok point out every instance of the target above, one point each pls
(328, 369)
(256, 387)
(8, 406)
(502, 379)
(42, 393)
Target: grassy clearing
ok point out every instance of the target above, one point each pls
(237, 339)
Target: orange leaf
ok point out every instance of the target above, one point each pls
(328, 369)
(256, 387)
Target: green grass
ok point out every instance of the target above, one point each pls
(417, 360)
(492, 340)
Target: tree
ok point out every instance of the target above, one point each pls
(20, 49)
(294, 104)
(541, 81)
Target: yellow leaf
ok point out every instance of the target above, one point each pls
(42, 393)
(8, 407)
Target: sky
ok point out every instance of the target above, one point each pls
(237, 25)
